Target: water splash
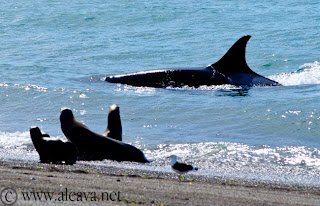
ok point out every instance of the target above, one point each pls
(137, 90)
(308, 73)
(14, 140)
(297, 164)
(205, 87)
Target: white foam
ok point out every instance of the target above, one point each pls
(205, 87)
(14, 140)
(138, 90)
(308, 73)
(20, 140)
(297, 164)
(151, 90)
(17, 146)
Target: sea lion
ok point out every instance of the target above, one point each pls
(93, 146)
(53, 151)
(114, 128)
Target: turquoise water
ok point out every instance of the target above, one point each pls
(53, 53)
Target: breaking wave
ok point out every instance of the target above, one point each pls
(308, 73)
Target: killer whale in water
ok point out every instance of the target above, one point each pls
(232, 69)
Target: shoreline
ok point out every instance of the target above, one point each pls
(141, 188)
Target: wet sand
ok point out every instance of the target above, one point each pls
(80, 185)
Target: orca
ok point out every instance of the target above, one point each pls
(232, 69)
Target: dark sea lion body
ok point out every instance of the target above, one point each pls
(114, 128)
(53, 151)
(93, 146)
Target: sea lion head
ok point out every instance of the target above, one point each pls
(35, 132)
(114, 128)
(66, 120)
(66, 114)
(114, 113)
(113, 107)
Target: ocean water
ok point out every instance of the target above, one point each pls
(54, 54)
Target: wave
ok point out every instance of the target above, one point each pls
(14, 140)
(238, 154)
(296, 164)
(205, 152)
(18, 140)
(16, 146)
(205, 87)
(151, 90)
(308, 73)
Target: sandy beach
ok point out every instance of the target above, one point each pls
(38, 184)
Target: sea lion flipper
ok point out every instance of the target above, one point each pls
(114, 128)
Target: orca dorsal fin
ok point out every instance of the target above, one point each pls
(234, 61)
